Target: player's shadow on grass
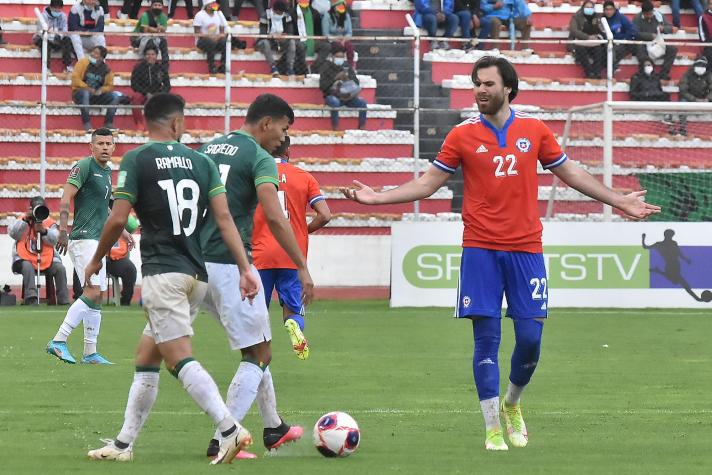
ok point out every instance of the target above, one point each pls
(672, 255)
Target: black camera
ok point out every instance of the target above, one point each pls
(39, 208)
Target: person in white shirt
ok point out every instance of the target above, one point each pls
(210, 25)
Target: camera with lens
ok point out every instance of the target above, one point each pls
(38, 210)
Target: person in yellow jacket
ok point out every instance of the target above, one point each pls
(93, 84)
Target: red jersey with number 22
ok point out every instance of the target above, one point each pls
(500, 200)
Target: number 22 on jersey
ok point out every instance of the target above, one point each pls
(506, 166)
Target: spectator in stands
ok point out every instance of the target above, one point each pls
(645, 85)
(2, 40)
(147, 78)
(210, 25)
(308, 23)
(503, 12)
(585, 24)
(649, 22)
(336, 25)
(130, 9)
(695, 86)
(24, 231)
(86, 18)
(57, 38)
(152, 21)
(696, 5)
(431, 13)
(705, 32)
(340, 86)
(622, 29)
(93, 84)
(278, 22)
(478, 20)
(119, 266)
(173, 4)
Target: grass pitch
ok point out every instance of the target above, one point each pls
(615, 392)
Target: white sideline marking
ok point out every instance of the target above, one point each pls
(624, 412)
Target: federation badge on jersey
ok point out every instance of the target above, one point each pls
(466, 301)
(523, 144)
(74, 172)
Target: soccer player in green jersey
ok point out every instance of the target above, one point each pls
(89, 187)
(249, 173)
(170, 186)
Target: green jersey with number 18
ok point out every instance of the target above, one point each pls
(169, 186)
(243, 166)
(91, 203)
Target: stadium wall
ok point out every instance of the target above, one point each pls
(334, 261)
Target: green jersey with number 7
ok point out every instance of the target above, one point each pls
(243, 165)
(169, 186)
(91, 203)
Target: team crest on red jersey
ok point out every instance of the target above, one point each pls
(523, 144)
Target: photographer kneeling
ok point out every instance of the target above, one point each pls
(26, 255)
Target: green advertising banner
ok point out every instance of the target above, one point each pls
(569, 267)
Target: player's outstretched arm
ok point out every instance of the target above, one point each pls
(282, 232)
(322, 218)
(632, 204)
(231, 237)
(422, 187)
(69, 191)
(109, 235)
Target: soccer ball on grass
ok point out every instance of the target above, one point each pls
(336, 434)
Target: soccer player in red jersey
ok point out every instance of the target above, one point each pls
(502, 251)
(297, 190)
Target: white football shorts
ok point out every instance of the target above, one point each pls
(246, 323)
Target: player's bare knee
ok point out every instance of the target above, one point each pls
(147, 353)
(93, 293)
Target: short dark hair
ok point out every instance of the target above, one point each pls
(279, 6)
(268, 105)
(506, 71)
(150, 47)
(162, 106)
(647, 6)
(609, 3)
(282, 149)
(103, 51)
(56, 3)
(103, 132)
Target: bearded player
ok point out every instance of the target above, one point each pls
(502, 250)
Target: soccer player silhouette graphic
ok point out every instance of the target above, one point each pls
(672, 254)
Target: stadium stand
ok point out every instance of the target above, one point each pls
(381, 154)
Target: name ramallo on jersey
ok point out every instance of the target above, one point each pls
(173, 162)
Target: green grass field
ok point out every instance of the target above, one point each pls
(616, 392)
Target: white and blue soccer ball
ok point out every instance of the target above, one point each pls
(336, 434)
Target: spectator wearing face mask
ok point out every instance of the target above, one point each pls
(57, 37)
(340, 86)
(86, 20)
(645, 85)
(336, 25)
(586, 24)
(649, 22)
(277, 22)
(93, 84)
(695, 86)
